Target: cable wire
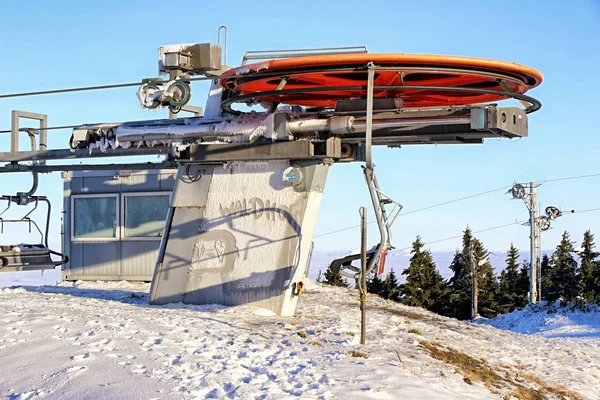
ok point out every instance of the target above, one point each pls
(69, 90)
(461, 235)
(43, 129)
(461, 199)
(582, 211)
(419, 209)
(570, 177)
(495, 227)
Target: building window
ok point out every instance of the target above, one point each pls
(95, 217)
(145, 215)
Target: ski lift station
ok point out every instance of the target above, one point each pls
(113, 223)
(227, 215)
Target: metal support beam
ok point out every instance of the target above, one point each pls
(368, 169)
(289, 150)
(87, 167)
(68, 154)
(369, 122)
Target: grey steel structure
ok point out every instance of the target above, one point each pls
(113, 223)
(537, 224)
(248, 186)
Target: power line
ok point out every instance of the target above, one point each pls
(461, 235)
(583, 211)
(493, 228)
(460, 199)
(456, 200)
(419, 209)
(570, 177)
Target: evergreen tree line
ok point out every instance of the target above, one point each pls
(562, 278)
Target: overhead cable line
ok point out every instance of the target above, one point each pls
(456, 200)
(50, 128)
(583, 211)
(493, 228)
(569, 178)
(123, 85)
(420, 209)
(90, 88)
(461, 235)
(69, 90)
(460, 199)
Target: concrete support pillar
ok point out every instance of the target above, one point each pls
(238, 234)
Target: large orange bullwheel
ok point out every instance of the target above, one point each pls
(416, 80)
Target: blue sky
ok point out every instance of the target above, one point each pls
(47, 45)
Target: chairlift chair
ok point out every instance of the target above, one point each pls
(28, 257)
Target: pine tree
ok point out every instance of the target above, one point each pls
(546, 271)
(523, 283)
(424, 285)
(488, 284)
(374, 284)
(461, 282)
(589, 269)
(509, 296)
(391, 289)
(333, 279)
(566, 282)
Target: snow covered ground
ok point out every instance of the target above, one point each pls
(554, 322)
(102, 340)
(31, 278)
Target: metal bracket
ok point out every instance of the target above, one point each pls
(42, 132)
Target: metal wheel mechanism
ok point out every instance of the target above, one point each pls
(413, 80)
(553, 212)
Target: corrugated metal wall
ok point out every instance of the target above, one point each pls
(116, 259)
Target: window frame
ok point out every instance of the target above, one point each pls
(117, 236)
(123, 215)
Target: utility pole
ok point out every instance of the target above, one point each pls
(537, 225)
(475, 285)
(533, 242)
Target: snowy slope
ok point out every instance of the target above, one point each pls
(31, 278)
(102, 340)
(553, 322)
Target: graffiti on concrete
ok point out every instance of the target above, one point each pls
(257, 207)
(215, 250)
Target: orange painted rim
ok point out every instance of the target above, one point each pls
(328, 79)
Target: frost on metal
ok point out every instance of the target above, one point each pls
(245, 127)
(23, 247)
(248, 243)
(171, 48)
